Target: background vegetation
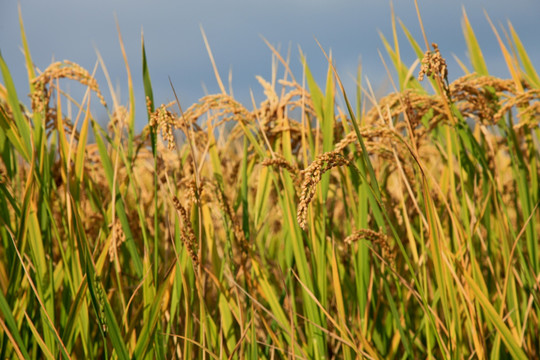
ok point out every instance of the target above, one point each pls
(401, 227)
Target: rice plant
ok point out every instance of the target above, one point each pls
(302, 227)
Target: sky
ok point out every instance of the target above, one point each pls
(75, 30)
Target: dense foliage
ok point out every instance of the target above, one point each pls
(404, 226)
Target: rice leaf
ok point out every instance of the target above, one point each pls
(475, 52)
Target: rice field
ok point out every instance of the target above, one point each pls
(316, 224)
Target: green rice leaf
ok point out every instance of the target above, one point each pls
(492, 315)
(475, 52)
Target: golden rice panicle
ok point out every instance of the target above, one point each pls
(186, 231)
(119, 118)
(193, 192)
(350, 138)
(59, 70)
(280, 162)
(219, 108)
(3, 174)
(238, 232)
(528, 107)
(312, 175)
(373, 237)
(269, 91)
(433, 64)
(164, 120)
(118, 237)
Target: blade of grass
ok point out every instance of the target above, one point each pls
(120, 209)
(10, 323)
(20, 135)
(475, 52)
(492, 315)
(530, 71)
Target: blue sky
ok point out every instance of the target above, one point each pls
(74, 29)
